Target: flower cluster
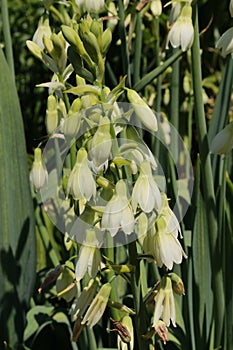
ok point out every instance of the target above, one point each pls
(109, 171)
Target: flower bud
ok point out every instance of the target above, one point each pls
(177, 283)
(51, 119)
(156, 7)
(142, 110)
(38, 174)
(106, 41)
(101, 145)
(72, 122)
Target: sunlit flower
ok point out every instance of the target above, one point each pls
(101, 145)
(225, 42)
(146, 192)
(89, 257)
(223, 141)
(81, 183)
(182, 32)
(98, 306)
(38, 174)
(162, 242)
(118, 213)
(165, 304)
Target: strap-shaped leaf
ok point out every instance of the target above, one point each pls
(17, 240)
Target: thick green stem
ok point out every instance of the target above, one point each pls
(138, 48)
(208, 187)
(124, 44)
(140, 321)
(7, 36)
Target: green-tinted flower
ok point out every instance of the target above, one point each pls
(89, 257)
(98, 306)
(38, 174)
(182, 32)
(81, 183)
(164, 304)
(223, 141)
(162, 239)
(118, 212)
(156, 7)
(146, 192)
(101, 146)
(82, 302)
(225, 42)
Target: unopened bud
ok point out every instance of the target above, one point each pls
(51, 119)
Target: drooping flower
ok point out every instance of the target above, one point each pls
(223, 141)
(146, 192)
(38, 174)
(118, 213)
(101, 145)
(182, 32)
(98, 306)
(164, 304)
(225, 42)
(89, 257)
(81, 183)
(162, 242)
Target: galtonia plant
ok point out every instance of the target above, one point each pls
(109, 172)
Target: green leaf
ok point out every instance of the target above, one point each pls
(17, 238)
(201, 267)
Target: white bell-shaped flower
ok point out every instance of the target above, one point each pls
(118, 213)
(81, 183)
(146, 193)
(182, 31)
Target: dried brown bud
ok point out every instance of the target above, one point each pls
(121, 330)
